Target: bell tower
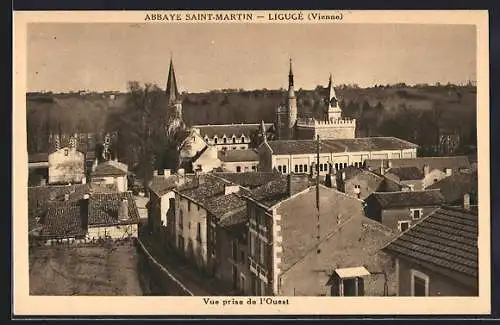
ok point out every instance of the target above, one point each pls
(292, 104)
(334, 112)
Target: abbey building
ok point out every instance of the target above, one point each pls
(290, 126)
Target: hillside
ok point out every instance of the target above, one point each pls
(380, 110)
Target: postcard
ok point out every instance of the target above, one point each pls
(251, 162)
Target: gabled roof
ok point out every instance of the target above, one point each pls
(62, 220)
(441, 163)
(455, 186)
(388, 200)
(295, 147)
(407, 173)
(110, 168)
(161, 184)
(235, 218)
(272, 192)
(219, 130)
(444, 240)
(203, 187)
(103, 209)
(238, 155)
(250, 179)
(224, 204)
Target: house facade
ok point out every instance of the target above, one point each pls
(400, 210)
(361, 183)
(442, 263)
(111, 172)
(239, 161)
(66, 165)
(297, 156)
(161, 205)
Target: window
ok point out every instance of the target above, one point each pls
(348, 287)
(66, 152)
(234, 139)
(356, 164)
(345, 165)
(242, 283)
(198, 167)
(242, 139)
(189, 206)
(198, 207)
(411, 187)
(242, 256)
(206, 139)
(279, 168)
(325, 167)
(180, 242)
(416, 214)
(254, 168)
(284, 169)
(403, 225)
(198, 232)
(242, 148)
(263, 252)
(336, 166)
(320, 167)
(215, 140)
(189, 225)
(252, 244)
(419, 284)
(224, 140)
(234, 148)
(296, 168)
(305, 168)
(301, 168)
(238, 169)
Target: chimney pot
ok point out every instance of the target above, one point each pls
(86, 196)
(84, 180)
(155, 172)
(467, 201)
(166, 173)
(389, 164)
(123, 211)
(448, 171)
(43, 182)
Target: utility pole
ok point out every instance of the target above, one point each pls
(318, 233)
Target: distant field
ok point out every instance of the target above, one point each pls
(93, 271)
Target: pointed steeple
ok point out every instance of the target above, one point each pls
(334, 111)
(171, 90)
(291, 90)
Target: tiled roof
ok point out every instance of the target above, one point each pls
(388, 200)
(63, 220)
(238, 155)
(350, 172)
(407, 173)
(229, 130)
(441, 163)
(372, 144)
(250, 179)
(446, 239)
(103, 209)
(272, 192)
(38, 157)
(40, 196)
(109, 168)
(203, 187)
(221, 205)
(236, 218)
(294, 147)
(455, 186)
(161, 184)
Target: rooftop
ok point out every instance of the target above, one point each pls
(407, 173)
(221, 205)
(238, 155)
(38, 157)
(110, 168)
(161, 184)
(455, 162)
(104, 209)
(455, 186)
(444, 240)
(295, 147)
(388, 200)
(63, 219)
(229, 130)
(250, 179)
(272, 192)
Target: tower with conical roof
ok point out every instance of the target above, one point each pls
(286, 115)
(333, 112)
(172, 92)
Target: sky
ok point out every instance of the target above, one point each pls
(64, 57)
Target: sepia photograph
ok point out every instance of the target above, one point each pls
(250, 159)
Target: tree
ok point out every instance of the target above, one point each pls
(145, 129)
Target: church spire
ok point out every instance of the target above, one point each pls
(290, 80)
(171, 90)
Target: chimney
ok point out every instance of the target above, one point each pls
(84, 180)
(297, 183)
(84, 211)
(467, 201)
(166, 173)
(155, 172)
(230, 189)
(94, 165)
(427, 169)
(343, 175)
(448, 171)
(43, 182)
(123, 210)
(66, 197)
(389, 164)
(180, 171)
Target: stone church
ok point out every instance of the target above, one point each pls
(290, 126)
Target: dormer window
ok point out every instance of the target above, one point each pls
(242, 139)
(206, 139)
(224, 140)
(234, 139)
(215, 140)
(416, 214)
